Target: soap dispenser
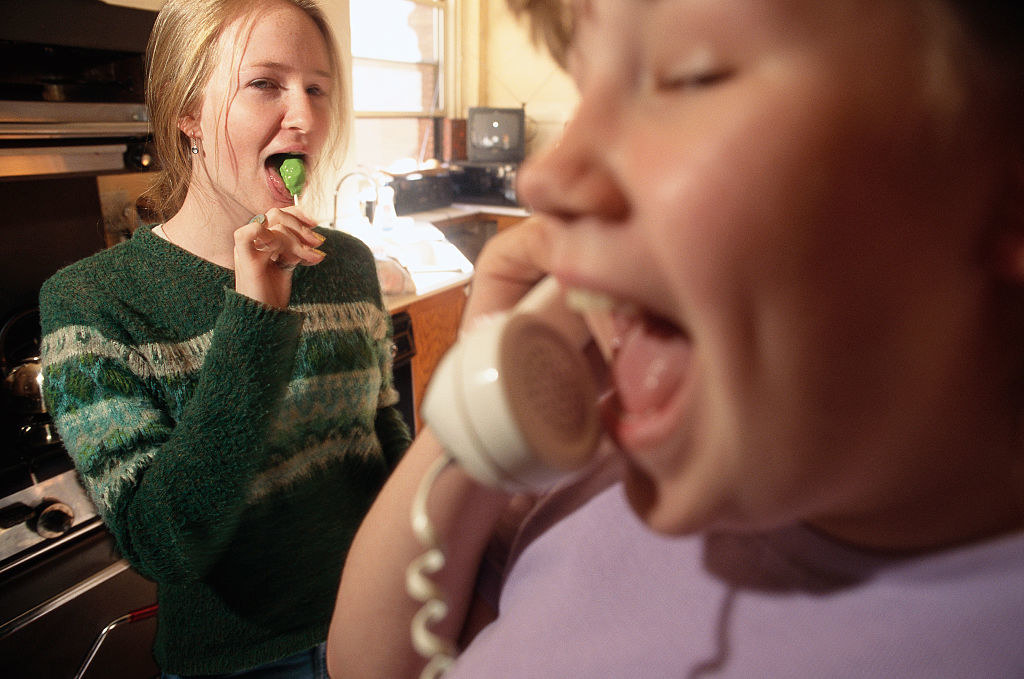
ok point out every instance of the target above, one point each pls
(384, 216)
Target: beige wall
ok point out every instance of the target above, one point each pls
(513, 72)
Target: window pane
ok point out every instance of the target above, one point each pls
(392, 87)
(379, 142)
(396, 30)
(397, 69)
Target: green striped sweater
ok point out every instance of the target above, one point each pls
(231, 448)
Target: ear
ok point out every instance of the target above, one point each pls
(189, 124)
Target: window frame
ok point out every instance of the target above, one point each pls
(442, 74)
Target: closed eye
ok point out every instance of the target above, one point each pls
(692, 81)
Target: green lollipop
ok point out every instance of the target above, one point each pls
(293, 173)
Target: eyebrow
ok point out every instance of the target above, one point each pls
(277, 65)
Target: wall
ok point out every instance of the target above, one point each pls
(514, 72)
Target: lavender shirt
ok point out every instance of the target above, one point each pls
(592, 593)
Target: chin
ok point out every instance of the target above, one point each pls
(682, 505)
(655, 506)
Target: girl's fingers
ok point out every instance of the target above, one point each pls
(296, 222)
(285, 242)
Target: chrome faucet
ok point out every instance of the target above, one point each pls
(337, 191)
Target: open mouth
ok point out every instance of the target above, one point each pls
(282, 181)
(651, 361)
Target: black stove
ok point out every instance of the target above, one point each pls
(40, 497)
(62, 580)
(42, 501)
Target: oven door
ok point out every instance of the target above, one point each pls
(53, 608)
(405, 349)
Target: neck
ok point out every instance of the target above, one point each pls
(955, 499)
(205, 228)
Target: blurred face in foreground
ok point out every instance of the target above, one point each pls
(793, 204)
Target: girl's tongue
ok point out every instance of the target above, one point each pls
(650, 363)
(649, 356)
(276, 185)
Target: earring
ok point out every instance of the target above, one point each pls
(195, 146)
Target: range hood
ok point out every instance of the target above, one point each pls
(72, 88)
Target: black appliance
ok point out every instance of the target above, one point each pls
(419, 191)
(404, 350)
(72, 88)
(495, 135)
(484, 183)
(61, 578)
(71, 109)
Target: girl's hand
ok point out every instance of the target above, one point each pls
(268, 249)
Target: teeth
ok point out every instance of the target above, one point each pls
(582, 301)
(588, 302)
(597, 309)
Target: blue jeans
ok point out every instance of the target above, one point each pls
(311, 664)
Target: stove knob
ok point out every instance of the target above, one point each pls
(53, 519)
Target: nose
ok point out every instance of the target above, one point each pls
(573, 179)
(298, 114)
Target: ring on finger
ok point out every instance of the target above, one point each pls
(260, 245)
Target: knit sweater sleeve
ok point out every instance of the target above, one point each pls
(389, 424)
(392, 433)
(170, 492)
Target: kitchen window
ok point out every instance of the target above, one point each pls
(397, 79)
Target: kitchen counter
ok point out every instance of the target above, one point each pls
(461, 211)
(436, 308)
(396, 303)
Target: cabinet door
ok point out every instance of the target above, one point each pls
(469, 237)
(435, 323)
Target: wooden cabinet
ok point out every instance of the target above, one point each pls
(436, 316)
(435, 325)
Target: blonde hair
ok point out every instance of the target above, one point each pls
(180, 57)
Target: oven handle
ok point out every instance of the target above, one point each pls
(36, 612)
(134, 616)
(74, 130)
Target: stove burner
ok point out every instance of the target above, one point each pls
(40, 497)
(43, 510)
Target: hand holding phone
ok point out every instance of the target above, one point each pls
(514, 402)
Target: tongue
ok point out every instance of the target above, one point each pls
(650, 364)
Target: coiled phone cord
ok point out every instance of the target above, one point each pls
(439, 651)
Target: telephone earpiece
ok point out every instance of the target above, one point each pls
(514, 402)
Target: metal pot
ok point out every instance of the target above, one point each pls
(22, 372)
(24, 384)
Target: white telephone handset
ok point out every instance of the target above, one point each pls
(514, 402)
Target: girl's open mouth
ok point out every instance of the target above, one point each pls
(273, 171)
(650, 360)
